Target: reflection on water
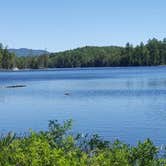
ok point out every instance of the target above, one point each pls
(124, 103)
(2, 98)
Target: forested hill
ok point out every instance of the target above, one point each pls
(88, 56)
(151, 53)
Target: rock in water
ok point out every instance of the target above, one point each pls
(67, 94)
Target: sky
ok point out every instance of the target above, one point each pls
(58, 25)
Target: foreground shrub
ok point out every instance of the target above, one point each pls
(57, 147)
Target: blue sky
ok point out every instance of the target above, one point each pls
(58, 25)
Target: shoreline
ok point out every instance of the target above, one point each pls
(75, 68)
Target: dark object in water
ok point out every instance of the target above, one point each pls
(16, 86)
(67, 94)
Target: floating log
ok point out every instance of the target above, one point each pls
(16, 86)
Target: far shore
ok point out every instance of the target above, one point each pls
(72, 68)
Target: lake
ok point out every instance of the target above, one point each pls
(127, 103)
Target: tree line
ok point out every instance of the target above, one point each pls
(150, 54)
(7, 60)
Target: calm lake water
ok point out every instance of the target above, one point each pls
(124, 103)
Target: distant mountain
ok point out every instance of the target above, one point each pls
(27, 52)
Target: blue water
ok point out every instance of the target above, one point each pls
(124, 103)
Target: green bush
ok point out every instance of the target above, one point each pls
(58, 147)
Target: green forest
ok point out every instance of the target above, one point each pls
(152, 53)
(57, 146)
